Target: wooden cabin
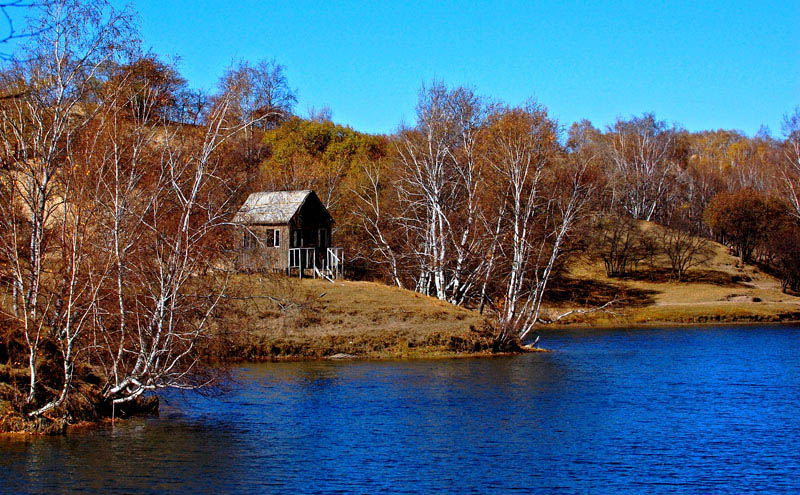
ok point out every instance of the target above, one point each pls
(289, 231)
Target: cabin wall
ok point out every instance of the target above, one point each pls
(263, 257)
(312, 217)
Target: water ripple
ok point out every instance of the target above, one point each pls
(656, 411)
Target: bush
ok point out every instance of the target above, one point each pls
(617, 241)
(683, 250)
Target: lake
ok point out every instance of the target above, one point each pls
(619, 411)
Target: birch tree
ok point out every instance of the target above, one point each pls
(164, 198)
(544, 199)
(258, 97)
(44, 217)
(186, 205)
(640, 154)
(375, 218)
(790, 171)
(113, 218)
(438, 188)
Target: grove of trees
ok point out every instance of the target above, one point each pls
(114, 204)
(118, 183)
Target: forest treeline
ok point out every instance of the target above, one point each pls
(118, 184)
(483, 204)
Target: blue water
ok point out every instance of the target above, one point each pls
(707, 410)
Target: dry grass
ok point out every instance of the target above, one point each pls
(722, 290)
(273, 317)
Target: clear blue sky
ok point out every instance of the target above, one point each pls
(704, 65)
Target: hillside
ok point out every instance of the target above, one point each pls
(272, 317)
(719, 291)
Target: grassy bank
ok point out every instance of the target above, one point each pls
(721, 290)
(278, 318)
(268, 317)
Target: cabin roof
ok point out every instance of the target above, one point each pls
(273, 207)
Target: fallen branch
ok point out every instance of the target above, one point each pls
(586, 311)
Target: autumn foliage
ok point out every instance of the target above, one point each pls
(743, 219)
(118, 183)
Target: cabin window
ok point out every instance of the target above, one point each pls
(323, 238)
(272, 238)
(249, 240)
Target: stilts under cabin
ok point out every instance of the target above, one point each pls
(287, 231)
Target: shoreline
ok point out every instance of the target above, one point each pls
(437, 332)
(81, 426)
(666, 324)
(437, 354)
(459, 341)
(700, 313)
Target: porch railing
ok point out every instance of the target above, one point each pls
(302, 259)
(328, 262)
(334, 262)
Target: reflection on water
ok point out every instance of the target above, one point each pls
(713, 409)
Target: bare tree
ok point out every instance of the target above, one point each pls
(321, 114)
(112, 216)
(370, 210)
(258, 92)
(425, 155)
(683, 249)
(640, 153)
(188, 203)
(259, 96)
(790, 172)
(464, 228)
(438, 186)
(44, 216)
(616, 241)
